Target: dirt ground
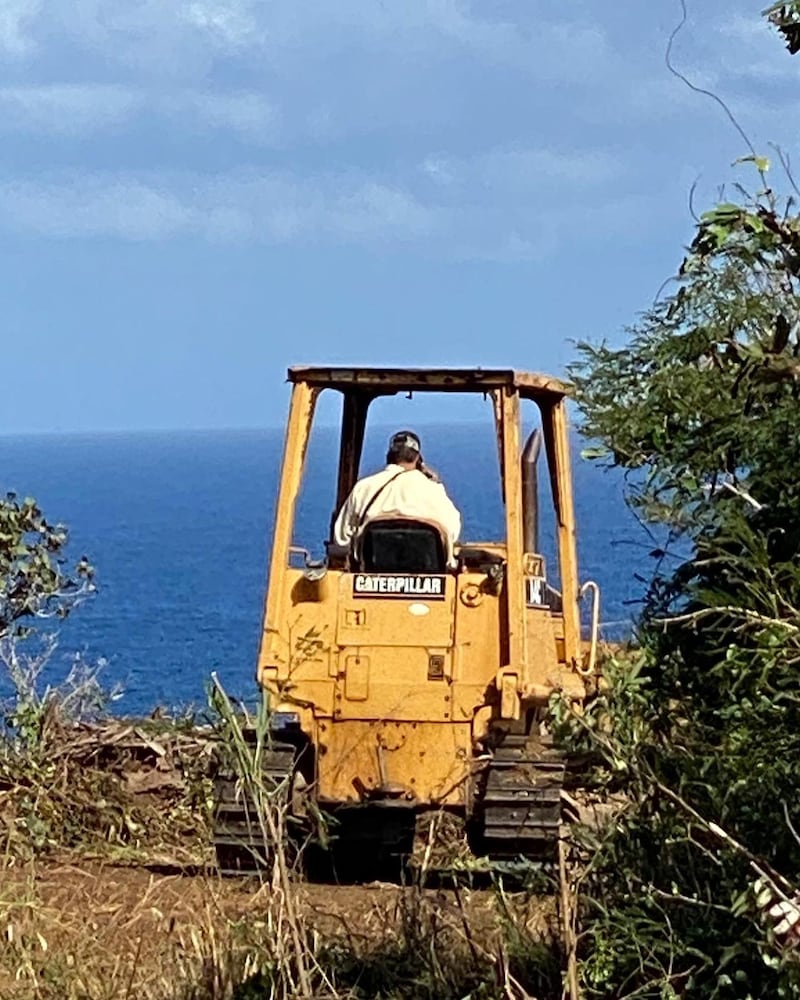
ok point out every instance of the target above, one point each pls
(111, 897)
(111, 931)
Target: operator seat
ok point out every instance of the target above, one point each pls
(400, 545)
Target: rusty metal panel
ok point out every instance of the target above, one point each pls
(356, 677)
(479, 647)
(398, 685)
(387, 381)
(306, 636)
(543, 675)
(430, 762)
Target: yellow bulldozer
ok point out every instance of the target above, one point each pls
(403, 678)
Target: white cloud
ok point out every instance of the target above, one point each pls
(91, 207)
(84, 109)
(542, 46)
(248, 114)
(230, 23)
(15, 15)
(153, 38)
(66, 108)
(520, 176)
(337, 69)
(529, 168)
(182, 37)
(375, 210)
(334, 106)
(753, 50)
(501, 220)
(272, 208)
(747, 29)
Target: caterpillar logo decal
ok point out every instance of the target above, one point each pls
(432, 588)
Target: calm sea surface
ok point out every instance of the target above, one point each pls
(178, 526)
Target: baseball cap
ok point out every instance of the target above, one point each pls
(405, 439)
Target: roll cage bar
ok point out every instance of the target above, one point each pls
(360, 386)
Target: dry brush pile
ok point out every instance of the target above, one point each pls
(72, 779)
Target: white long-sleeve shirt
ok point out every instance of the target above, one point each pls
(404, 493)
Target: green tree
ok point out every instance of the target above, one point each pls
(786, 18)
(703, 407)
(34, 580)
(701, 726)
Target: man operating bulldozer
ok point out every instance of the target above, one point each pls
(405, 488)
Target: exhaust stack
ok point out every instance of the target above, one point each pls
(530, 491)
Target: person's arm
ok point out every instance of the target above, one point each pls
(447, 514)
(346, 523)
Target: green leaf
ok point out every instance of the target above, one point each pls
(761, 163)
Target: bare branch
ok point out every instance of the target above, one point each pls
(789, 823)
(746, 613)
(701, 90)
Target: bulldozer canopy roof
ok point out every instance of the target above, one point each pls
(380, 381)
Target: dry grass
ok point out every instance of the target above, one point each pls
(95, 932)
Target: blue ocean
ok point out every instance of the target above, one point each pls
(178, 526)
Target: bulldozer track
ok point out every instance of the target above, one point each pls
(520, 799)
(241, 837)
(518, 806)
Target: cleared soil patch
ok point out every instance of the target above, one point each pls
(78, 928)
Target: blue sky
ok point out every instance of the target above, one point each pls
(196, 194)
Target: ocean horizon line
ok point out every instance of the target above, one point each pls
(192, 431)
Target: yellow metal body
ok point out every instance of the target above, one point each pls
(397, 694)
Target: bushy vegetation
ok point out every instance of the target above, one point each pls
(69, 777)
(35, 582)
(701, 725)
